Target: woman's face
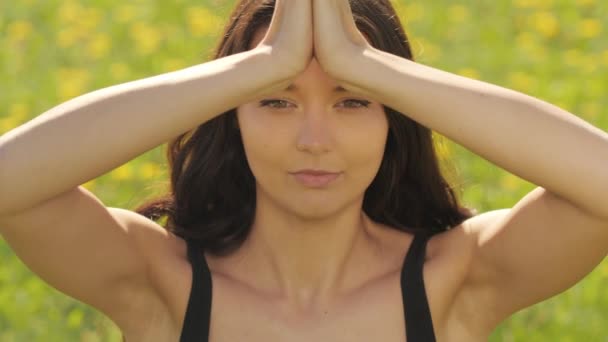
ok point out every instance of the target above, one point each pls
(312, 127)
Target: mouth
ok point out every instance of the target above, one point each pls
(316, 172)
(316, 178)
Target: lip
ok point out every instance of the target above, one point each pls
(315, 178)
(315, 172)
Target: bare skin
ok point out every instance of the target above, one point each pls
(325, 289)
(476, 275)
(370, 307)
(356, 298)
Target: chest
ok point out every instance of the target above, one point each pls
(374, 313)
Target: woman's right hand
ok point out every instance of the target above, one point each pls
(289, 39)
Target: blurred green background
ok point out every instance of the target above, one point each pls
(54, 50)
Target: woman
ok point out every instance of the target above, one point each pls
(307, 204)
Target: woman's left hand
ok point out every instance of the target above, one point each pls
(338, 43)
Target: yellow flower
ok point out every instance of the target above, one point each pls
(595, 87)
(469, 72)
(459, 13)
(19, 30)
(125, 172)
(90, 185)
(546, 24)
(604, 57)
(510, 182)
(203, 22)
(99, 46)
(8, 123)
(149, 170)
(573, 58)
(566, 105)
(125, 13)
(147, 39)
(68, 36)
(399, 7)
(71, 82)
(533, 3)
(78, 23)
(590, 28)
(119, 70)
(589, 65)
(90, 19)
(585, 3)
(413, 12)
(525, 39)
(590, 110)
(18, 114)
(174, 64)
(19, 111)
(521, 81)
(425, 50)
(528, 44)
(442, 146)
(604, 268)
(69, 12)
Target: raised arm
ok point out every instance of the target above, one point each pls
(557, 233)
(94, 133)
(108, 257)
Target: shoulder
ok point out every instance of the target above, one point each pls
(162, 300)
(449, 258)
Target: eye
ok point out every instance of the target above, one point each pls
(270, 103)
(360, 103)
(355, 103)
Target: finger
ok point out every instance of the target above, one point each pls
(298, 15)
(291, 18)
(337, 16)
(348, 21)
(275, 22)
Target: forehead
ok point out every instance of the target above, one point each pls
(314, 67)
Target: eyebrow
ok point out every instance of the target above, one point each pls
(338, 89)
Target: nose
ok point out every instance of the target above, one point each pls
(314, 135)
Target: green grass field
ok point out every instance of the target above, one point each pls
(52, 51)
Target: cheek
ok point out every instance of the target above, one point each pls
(367, 137)
(266, 145)
(364, 150)
(255, 125)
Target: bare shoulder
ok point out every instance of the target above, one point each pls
(163, 300)
(166, 256)
(449, 257)
(112, 259)
(518, 255)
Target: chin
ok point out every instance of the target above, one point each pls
(311, 215)
(312, 209)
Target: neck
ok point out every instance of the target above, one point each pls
(308, 262)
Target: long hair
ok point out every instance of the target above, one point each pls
(212, 198)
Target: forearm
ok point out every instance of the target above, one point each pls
(90, 135)
(531, 138)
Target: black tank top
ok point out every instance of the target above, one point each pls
(418, 322)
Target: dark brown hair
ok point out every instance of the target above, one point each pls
(212, 199)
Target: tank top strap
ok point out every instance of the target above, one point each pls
(418, 320)
(198, 313)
